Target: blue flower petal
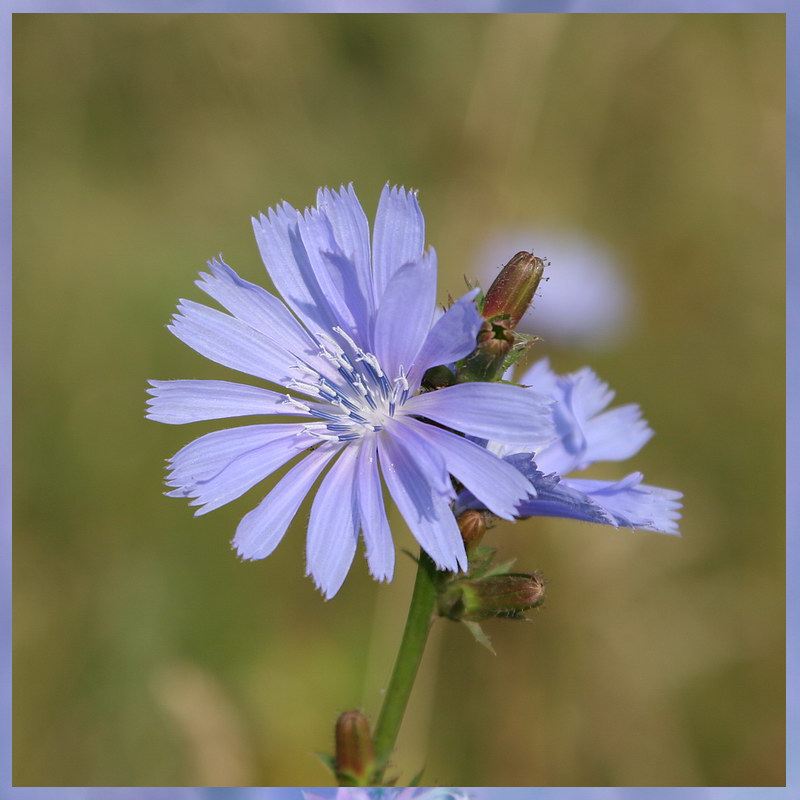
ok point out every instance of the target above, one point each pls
(351, 231)
(553, 497)
(220, 466)
(615, 435)
(178, 402)
(626, 503)
(335, 274)
(496, 411)
(262, 529)
(230, 342)
(420, 487)
(374, 524)
(584, 434)
(632, 503)
(452, 337)
(285, 257)
(256, 307)
(541, 378)
(405, 314)
(399, 235)
(498, 485)
(333, 526)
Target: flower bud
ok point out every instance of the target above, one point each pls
(495, 596)
(485, 362)
(513, 289)
(355, 752)
(496, 337)
(472, 524)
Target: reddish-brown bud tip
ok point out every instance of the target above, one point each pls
(501, 596)
(355, 752)
(472, 524)
(513, 289)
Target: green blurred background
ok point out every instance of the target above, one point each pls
(145, 652)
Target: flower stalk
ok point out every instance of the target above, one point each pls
(387, 392)
(409, 656)
(435, 592)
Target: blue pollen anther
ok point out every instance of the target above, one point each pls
(347, 374)
(362, 389)
(315, 412)
(349, 403)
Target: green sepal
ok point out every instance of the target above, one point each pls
(481, 559)
(480, 563)
(512, 615)
(480, 298)
(500, 569)
(480, 637)
(342, 778)
(522, 343)
(417, 778)
(328, 760)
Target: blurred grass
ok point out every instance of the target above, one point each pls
(145, 652)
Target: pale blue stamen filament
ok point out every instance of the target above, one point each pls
(361, 400)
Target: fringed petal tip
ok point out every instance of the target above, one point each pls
(400, 191)
(634, 504)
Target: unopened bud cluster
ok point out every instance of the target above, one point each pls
(506, 301)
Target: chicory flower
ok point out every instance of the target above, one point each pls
(347, 348)
(585, 433)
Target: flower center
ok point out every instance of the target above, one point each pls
(356, 395)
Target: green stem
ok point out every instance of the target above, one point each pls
(409, 656)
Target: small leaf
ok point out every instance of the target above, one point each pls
(417, 778)
(522, 343)
(480, 637)
(328, 760)
(499, 569)
(480, 560)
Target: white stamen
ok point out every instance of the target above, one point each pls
(346, 337)
(372, 361)
(293, 401)
(356, 401)
(302, 386)
(337, 348)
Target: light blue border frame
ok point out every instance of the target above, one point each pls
(792, 790)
